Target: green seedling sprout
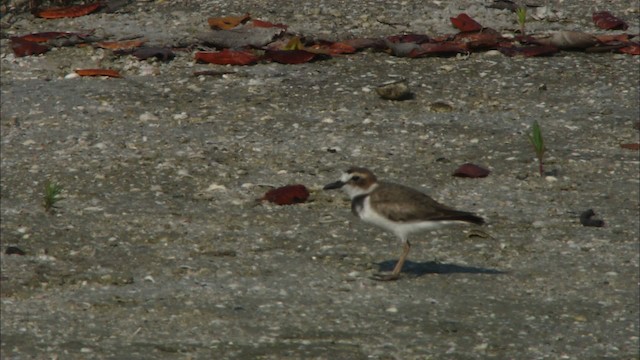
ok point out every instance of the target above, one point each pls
(538, 144)
(52, 191)
(522, 18)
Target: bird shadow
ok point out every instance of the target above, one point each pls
(432, 267)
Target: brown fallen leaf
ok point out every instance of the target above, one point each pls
(529, 51)
(439, 49)
(290, 57)
(618, 38)
(98, 72)
(606, 20)
(631, 49)
(365, 43)
(471, 171)
(266, 24)
(228, 22)
(227, 57)
(42, 37)
(119, 45)
(287, 195)
(23, 47)
(69, 11)
(633, 146)
(487, 38)
(330, 48)
(465, 23)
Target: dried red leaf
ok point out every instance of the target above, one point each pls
(471, 171)
(465, 23)
(446, 48)
(330, 48)
(98, 72)
(120, 45)
(23, 47)
(341, 48)
(605, 39)
(69, 11)
(227, 57)
(529, 51)
(635, 146)
(287, 195)
(485, 39)
(289, 57)
(631, 49)
(606, 20)
(266, 24)
(365, 43)
(228, 22)
(45, 36)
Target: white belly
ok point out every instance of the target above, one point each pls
(400, 229)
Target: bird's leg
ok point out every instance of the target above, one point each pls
(395, 274)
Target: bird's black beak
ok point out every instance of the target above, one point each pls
(334, 185)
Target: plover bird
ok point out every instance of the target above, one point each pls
(396, 208)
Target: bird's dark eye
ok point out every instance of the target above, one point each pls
(355, 178)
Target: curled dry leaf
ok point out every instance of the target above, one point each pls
(98, 72)
(69, 11)
(445, 48)
(228, 22)
(120, 45)
(568, 40)
(287, 195)
(632, 146)
(45, 36)
(618, 38)
(485, 39)
(290, 57)
(631, 49)
(365, 43)
(23, 47)
(465, 23)
(529, 51)
(330, 48)
(471, 171)
(606, 20)
(266, 24)
(227, 57)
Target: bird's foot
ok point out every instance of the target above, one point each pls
(385, 277)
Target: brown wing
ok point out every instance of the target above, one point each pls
(402, 203)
